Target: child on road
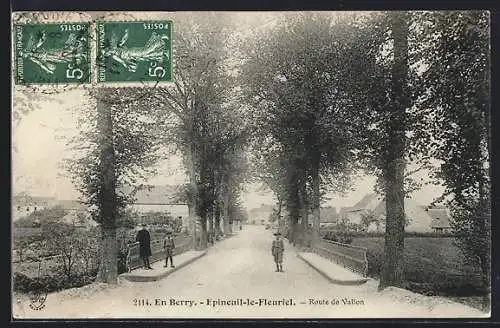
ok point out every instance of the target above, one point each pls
(277, 251)
(169, 246)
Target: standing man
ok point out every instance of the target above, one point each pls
(144, 239)
(169, 246)
(277, 251)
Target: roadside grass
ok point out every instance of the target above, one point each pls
(433, 267)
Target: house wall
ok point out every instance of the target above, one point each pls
(354, 217)
(419, 220)
(443, 230)
(19, 211)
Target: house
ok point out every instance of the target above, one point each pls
(440, 220)
(355, 214)
(77, 213)
(166, 198)
(328, 214)
(24, 204)
(261, 213)
(370, 210)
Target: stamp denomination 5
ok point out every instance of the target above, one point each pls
(134, 51)
(52, 53)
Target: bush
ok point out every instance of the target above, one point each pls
(328, 233)
(338, 237)
(25, 284)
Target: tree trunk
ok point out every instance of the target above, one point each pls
(302, 229)
(211, 227)
(293, 218)
(203, 237)
(107, 207)
(193, 194)
(393, 266)
(108, 270)
(217, 220)
(280, 221)
(231, 222)
(316, 202)
(484, 227)
(485, 187)
(226, 212)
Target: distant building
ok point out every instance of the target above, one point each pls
(24, 204)
(328, 214)
(368, 203)
(440, 220)
(77, 213)
(371, 209)
(166, 199)
(261, 213)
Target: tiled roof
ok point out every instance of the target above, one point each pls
(440, 223)
(166, 194)
(440, 218)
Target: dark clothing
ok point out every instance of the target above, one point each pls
(144, 240)
(145, 260)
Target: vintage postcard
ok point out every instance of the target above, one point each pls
(251, 165)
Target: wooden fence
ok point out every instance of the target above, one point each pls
(134, 261)
(348, 256)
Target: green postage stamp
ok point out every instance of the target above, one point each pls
(52, 53)
(134, 51)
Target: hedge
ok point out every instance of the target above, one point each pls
(327, 234)
(25, 284)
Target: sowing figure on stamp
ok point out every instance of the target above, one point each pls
(72, 52)
(129, 57)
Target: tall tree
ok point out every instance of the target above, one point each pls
(195, 104)
(115, 150)
(393, 266)
(457, 101)
(294, 78)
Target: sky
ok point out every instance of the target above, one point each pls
(39, 146)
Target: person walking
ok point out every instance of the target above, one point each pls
(144, 239)
(277, 250)
(169, 246)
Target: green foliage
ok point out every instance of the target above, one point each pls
(433, 265)
(202, 119)
(304, 109)
(37, 218)
(134, 145)
(71, 243)
(25, 284)
(455, 107)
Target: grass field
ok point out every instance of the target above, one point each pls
(433, 266)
